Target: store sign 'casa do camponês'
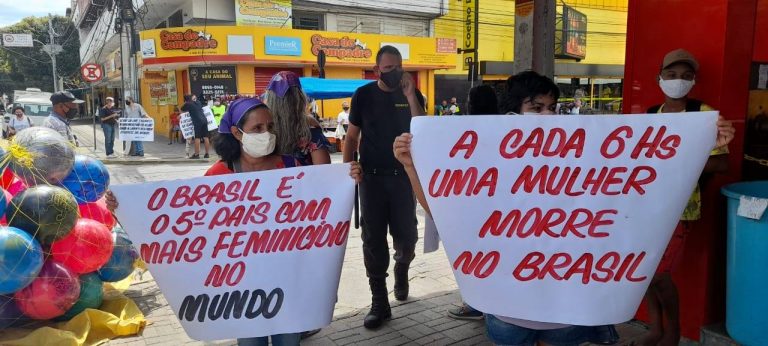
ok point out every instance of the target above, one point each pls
(340, 48)
(190, 39)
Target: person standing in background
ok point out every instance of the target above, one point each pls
(108, 117)
(135, 110)
(195, 110)
(218, 110)
(18, 122)
(174, 119)
(64, 108)
(343, 117)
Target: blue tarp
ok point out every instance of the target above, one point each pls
(326, 89)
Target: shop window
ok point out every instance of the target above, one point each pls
(308, 20)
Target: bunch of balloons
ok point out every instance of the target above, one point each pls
(58, 241)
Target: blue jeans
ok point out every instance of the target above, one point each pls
(290, 339)
(138, 147)
(109, 138)
(502, 333)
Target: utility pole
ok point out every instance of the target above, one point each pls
(54, 51)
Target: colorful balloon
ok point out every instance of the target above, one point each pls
(51, 294)
(97, 211)
(121, 263)
(46, 212)
(90, 296)
(41, 156)
(85, 249)
(9, 312)
(16, 187)
(88, 180)
(21, 259)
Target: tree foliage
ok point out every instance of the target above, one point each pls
(22, 67)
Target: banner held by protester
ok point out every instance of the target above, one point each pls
(244, 255)
(559, 219)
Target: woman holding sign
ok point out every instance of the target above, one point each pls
(246, 143)
(531, 94)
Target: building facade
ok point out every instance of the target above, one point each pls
(233, 47)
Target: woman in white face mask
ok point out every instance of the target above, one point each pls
(246, 143)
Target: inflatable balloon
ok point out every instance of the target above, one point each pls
(97, 211)
(7, 178)
(90, 296)
(9, 312)
(85, 249)
(8, 196)
(46, 212)
(41, 156)
(21, 258)
(51, 294)
(121, 263)
(3, 202)
(16, 187)
(88, 180)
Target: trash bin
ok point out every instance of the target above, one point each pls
(746, 317)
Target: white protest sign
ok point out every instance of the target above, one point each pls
(244, 255)
(186, 125)
(136, 129)
(209, 117)
(559, 219)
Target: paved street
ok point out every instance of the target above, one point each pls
(419, 321)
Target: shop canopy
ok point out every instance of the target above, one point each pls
(326, 89)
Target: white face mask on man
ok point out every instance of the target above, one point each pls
(258, 144)
(676, 88)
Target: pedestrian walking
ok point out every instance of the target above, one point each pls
(135, 110)
(381, 110)
(108, 116)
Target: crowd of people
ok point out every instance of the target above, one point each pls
(277, 131)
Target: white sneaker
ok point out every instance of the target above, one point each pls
(112, 156)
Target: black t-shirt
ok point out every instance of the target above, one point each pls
(105, 112)
(195, 112)
(381, 116)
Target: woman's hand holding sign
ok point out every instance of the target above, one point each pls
(402, 149)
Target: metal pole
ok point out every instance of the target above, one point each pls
(53, 54)
(122, 76)
(93, 102)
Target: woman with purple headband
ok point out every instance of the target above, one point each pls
(298, 133)
(246, 143)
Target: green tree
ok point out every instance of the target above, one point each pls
(22, 67)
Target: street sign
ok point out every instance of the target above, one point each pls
(91, 72)
(18, 40)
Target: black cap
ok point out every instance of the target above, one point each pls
(64, 97)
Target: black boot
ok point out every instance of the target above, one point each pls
(380, 310)
(401, 281)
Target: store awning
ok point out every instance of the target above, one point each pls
(326, 89)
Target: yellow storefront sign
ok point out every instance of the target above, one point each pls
(265, 45)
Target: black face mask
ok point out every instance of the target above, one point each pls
(71, 113)
(345, 108)
(128, 103)
(392, 78)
